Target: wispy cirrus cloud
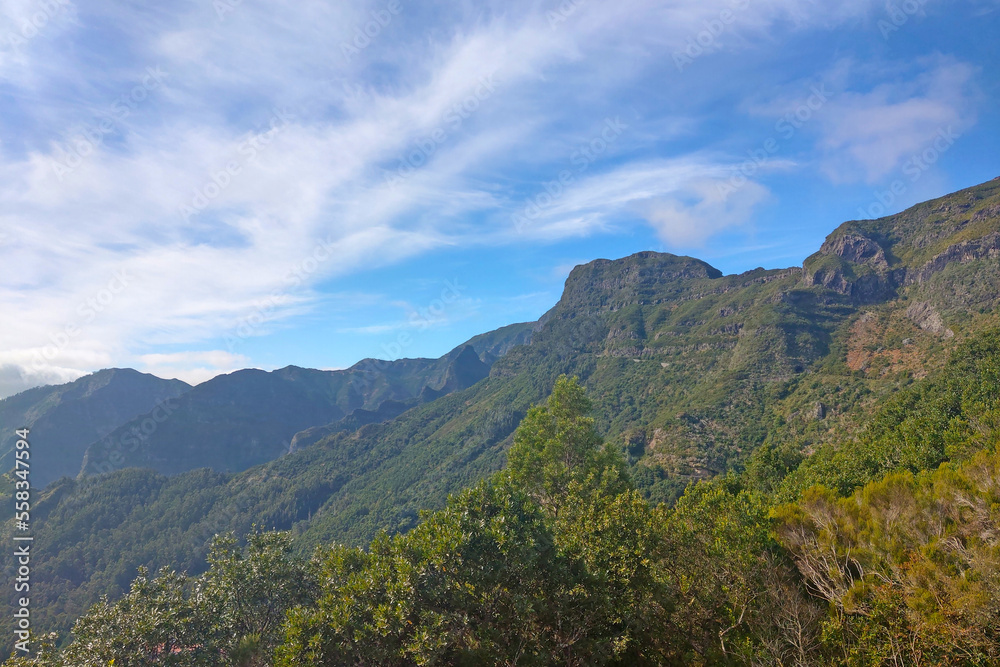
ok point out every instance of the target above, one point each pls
(868, 134)
(211, 207)
(685, 200)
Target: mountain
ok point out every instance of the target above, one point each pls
(463, 369)
(494, 344)
(249, 417)
(65, 419)
(691, 371)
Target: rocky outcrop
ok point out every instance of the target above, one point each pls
(927, 318)
(645, 278)
(858, 249)
(854, 265)
(987, 247)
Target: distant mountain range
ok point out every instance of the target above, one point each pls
(66, 419)
(120, 418)
(690, 371)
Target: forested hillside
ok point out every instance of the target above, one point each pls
(724, 400)
(68, 418)
(249, 417)
(558, 560)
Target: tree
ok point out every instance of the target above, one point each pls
(910, 565)
(248, 591)
(232, 615)
(555, 561)
(470, 585)
(616, 606)
(155, 623)
(557, 451)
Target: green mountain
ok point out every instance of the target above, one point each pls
(690, 372)
(249, 417)
(65, 419)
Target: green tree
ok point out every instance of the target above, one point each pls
(555, 561)
(232, 615)
(155, 623)
(742, 599)
(470, 585)
(557, 451)
(616, 606)
(910, 565)
(247, 592)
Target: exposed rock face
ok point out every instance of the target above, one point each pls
(644, 278)
(924, 316)
(858, 249)
(987, 247)
(832, 278)
(860, 271)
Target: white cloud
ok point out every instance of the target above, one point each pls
(702, 208)
(313, 203)
(868, 135)
(15, 378)
(687, 201)
(192, 367)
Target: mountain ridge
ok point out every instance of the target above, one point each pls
(65, 419)
(241, 419)
(690, 371)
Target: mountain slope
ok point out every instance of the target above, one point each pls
(690, 371)
(65, 419)
(249, 417)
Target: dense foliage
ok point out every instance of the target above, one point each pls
(768, 383)
(559, 560)
(909, 565)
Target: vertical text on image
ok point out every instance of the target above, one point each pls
(22, 542)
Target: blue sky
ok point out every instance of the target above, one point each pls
(195, 187)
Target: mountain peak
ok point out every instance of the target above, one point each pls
(870, 259)
(645, 277)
